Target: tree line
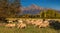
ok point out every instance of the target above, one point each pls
(43, 14)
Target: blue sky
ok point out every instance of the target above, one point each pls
(54, 4)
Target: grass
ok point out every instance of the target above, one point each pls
(28, 29)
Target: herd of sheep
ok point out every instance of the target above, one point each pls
(23, 23)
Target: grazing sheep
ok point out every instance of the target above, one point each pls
(37, 24)
(28, 21)
(33, 22)
(44, 24)
(10, 25)
(10, 21)
(21, 25)
(20, 21)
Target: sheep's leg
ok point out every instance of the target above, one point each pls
(23, 27)
(40, 26)
(18, 27)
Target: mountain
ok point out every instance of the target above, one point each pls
(32, 9)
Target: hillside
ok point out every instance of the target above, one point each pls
(37, 11)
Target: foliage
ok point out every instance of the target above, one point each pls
(8, 9)
(44, 14)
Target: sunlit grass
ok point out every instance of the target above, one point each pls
(28, 29)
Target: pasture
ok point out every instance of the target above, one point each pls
(29, 29)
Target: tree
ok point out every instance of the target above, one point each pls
(15, 8)
(3, 8)
(42, 14)
(8, 8)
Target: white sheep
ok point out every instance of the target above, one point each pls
(44, 24)
(21, 25)
(20, 21)
(37, 23)
(10, 25)
(28, 21)
(10, 21)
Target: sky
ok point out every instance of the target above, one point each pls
(54, 4)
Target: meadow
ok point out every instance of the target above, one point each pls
(28, 29)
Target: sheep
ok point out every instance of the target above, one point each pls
(28, 21)
(21, 25)
(44, 24)
(33, 22)
(41, 23)
(20, 21)
(37, 24)
(9, 21)
(10, 25)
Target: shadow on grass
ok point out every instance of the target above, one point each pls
(55, 25)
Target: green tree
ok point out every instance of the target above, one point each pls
(8, 9)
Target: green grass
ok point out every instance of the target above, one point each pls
(29, 29)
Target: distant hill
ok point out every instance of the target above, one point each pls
(33, 9)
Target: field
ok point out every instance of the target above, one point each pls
(29, 29)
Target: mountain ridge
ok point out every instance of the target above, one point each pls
(34, 9)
